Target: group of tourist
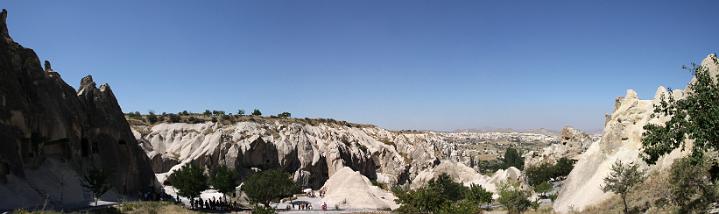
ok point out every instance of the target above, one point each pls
(214, 204)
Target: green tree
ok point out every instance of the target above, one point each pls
(478, 194)
(514, 198)
(513, 158)
(224, 180)
(96, 181)
(621, 180)
(284, 115)
(152, 117)
(207, 113)
(240, 112)
(256, 112)
(695, 118)
(265, 186)
(563, 167)
(190, 181)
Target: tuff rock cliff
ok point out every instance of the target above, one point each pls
(621, 141)
(51, 134)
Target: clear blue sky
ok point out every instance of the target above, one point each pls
(438, 65)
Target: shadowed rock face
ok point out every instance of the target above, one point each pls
(42, 118)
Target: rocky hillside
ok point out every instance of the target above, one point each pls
(50, 134)
(621, 141)
(314, 151)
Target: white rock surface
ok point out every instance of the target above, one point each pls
(348, 188)
(621, 141)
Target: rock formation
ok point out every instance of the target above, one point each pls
(348, 188)
(50, 134)
(621, 141)
(573, 142)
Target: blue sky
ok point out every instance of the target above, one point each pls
(439, 65)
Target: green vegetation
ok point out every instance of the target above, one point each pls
(545, 171)
(512, 158)
(190, 181)
(224, 180)
(621, 180)
(478, 194)
(265, 186)
(284, 115)
(263, 210)
(256, 112)
(543, 188)
(514, 198)
(691, 185)
(442, 195)
(695, 118)
(151, 117)
(96, 181)
(241, 112)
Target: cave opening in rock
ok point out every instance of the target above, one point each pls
(84, 147)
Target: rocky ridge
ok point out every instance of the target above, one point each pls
(51, 134)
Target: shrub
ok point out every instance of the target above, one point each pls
(514, 198)
(151, 117)
(284, 115)
(691, 186)
(256, 112)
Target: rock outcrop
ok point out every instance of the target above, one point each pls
(50, 134)
(573, 142)
(463, 174)
(348, 188)
(621, 141)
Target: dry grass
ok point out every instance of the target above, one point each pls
(648, 197)
(152, 207)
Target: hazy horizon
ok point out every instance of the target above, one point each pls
(427, 65)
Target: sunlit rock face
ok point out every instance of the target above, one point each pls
(50, 134)
(312, 152)
(621, 141)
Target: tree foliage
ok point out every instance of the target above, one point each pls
(256, 112)
(190, 180)
(265, 186)
(284, 115)
(696, 118)
(478, 194)
(512, 158)
(692, 186)
(224, 179)
(442, 195)
(152, 117)
(544, 172)
(621, 180)
(514, 198)
(96, 181)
